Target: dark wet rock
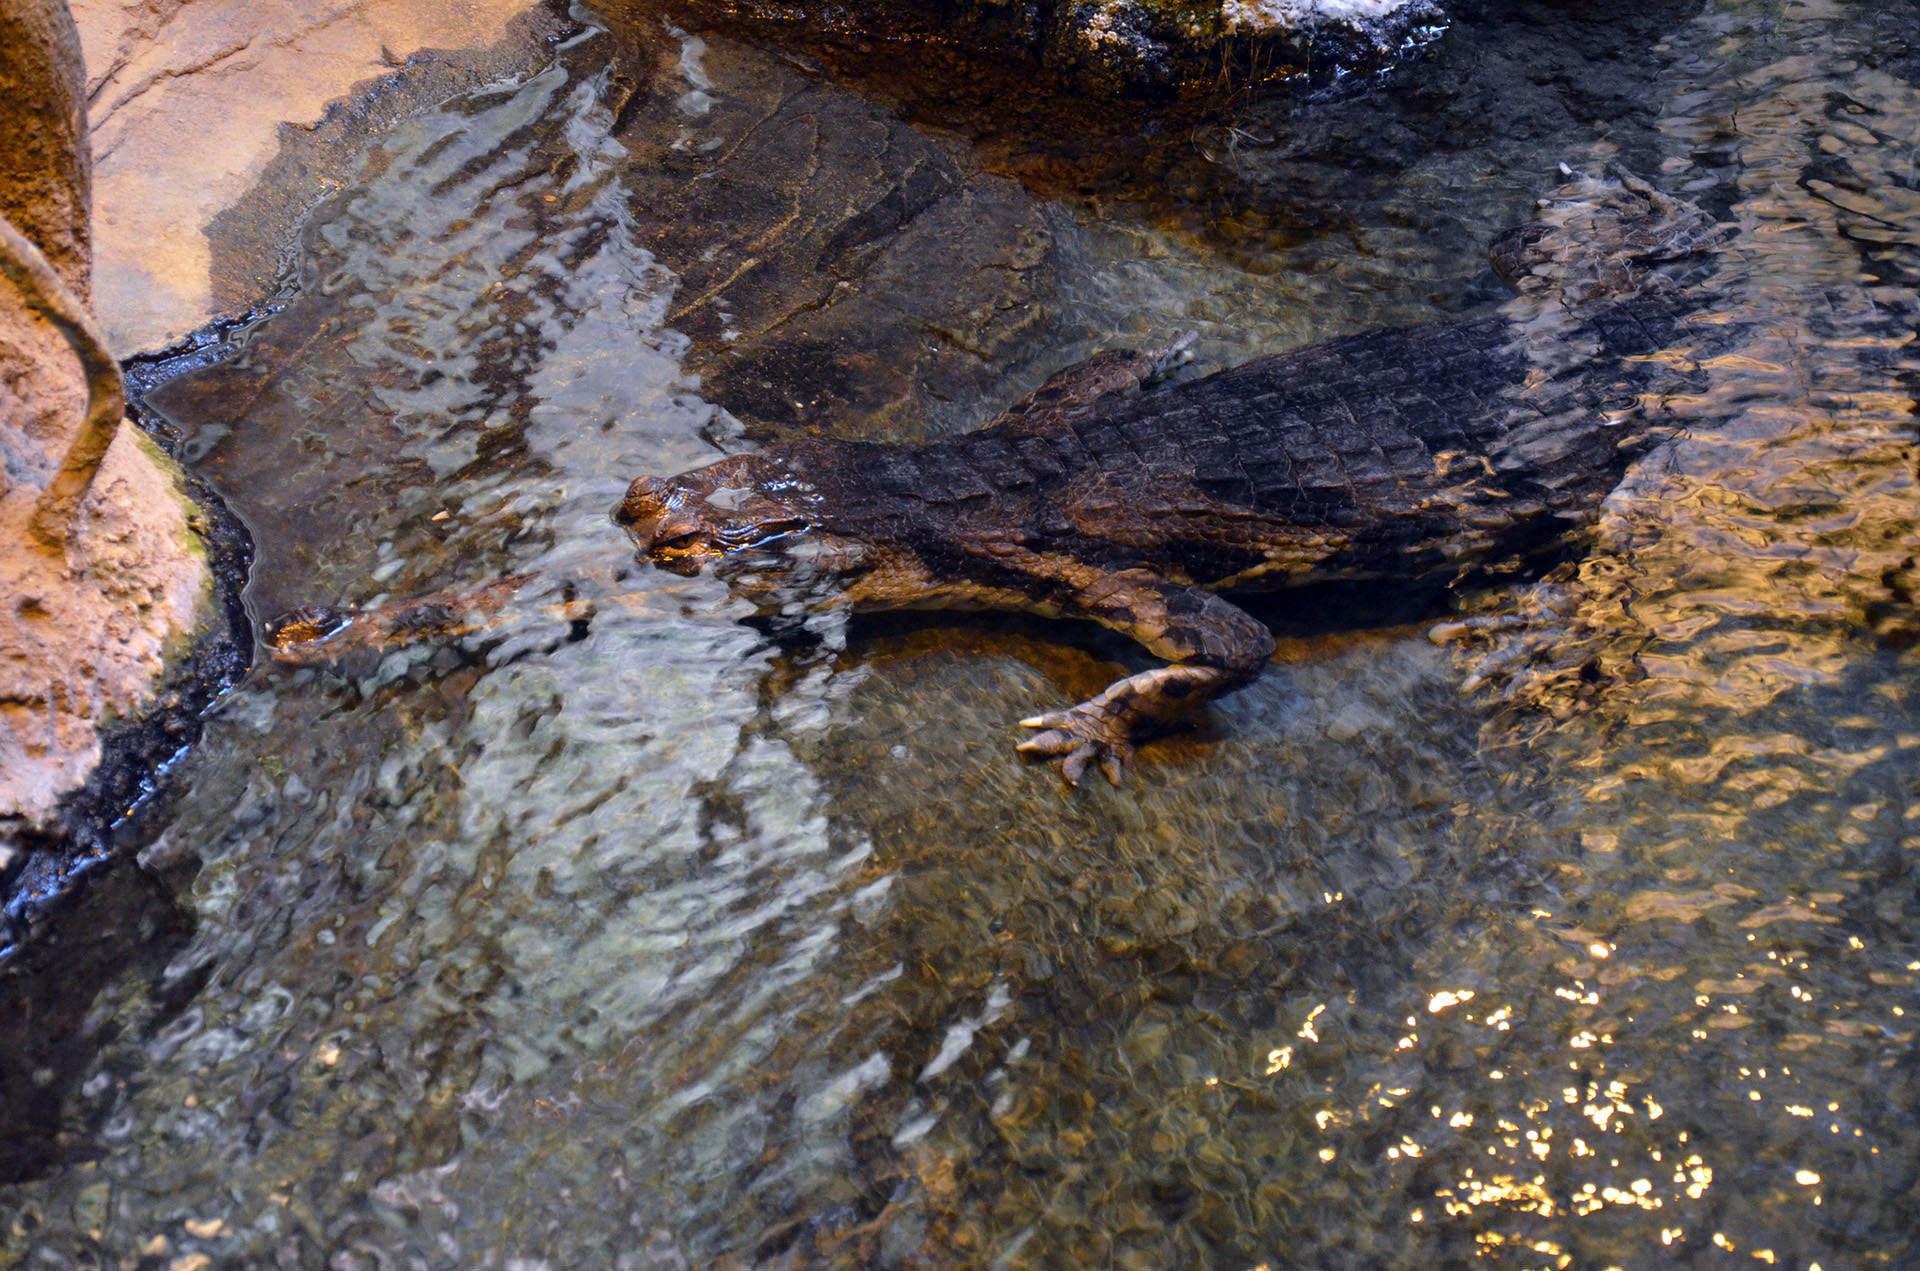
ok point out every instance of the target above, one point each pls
(1451, 146)
(839, 270)
(1121, 48)
(1457, 124)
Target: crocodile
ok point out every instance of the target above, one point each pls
(1120, 493)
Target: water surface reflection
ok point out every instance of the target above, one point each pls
(647, 940)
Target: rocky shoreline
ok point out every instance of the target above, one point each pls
(118, 805)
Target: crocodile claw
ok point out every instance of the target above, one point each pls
(1081, 736)
(1170, 357)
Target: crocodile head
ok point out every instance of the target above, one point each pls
(748, 514)
(1596, 238)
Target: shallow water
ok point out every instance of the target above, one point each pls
(651, 941)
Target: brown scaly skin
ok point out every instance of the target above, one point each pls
(1400, 454)
(1414, 453)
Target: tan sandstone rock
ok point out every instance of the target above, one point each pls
(96, 599)
(89, 632)
(187, 101)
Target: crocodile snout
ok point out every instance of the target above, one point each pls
(644, 510)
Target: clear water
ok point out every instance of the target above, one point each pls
(655, 943)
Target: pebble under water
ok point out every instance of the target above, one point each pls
(651, 941)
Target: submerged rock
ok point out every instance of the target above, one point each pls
(838, 270)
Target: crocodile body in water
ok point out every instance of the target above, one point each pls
(1425, 452)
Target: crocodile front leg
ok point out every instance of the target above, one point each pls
(1214, 647)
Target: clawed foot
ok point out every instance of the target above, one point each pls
(1170, 357)
(1081, 735)
(1509, 642)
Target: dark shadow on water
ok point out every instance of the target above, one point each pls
(91, 973)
